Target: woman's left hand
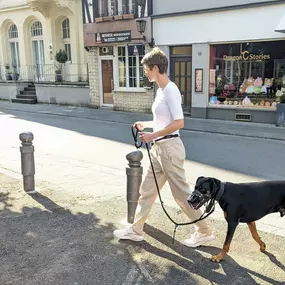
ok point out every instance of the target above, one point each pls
(147, 137)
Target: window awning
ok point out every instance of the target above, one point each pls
(281, 26)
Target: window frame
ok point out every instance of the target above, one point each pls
(68, 51)
(65, 27)
(14, 41)
(34, 28)
(12, 32)
(138, 66)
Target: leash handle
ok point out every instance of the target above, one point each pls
(135, 132)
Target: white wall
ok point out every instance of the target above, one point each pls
(9, 90)
(170, 6)
(200, 59)
(72, 95)
(236, 25)
(8, 3)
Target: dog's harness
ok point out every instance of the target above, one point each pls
(210, 206)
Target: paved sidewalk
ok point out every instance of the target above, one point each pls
(192, 124)
(50, 238)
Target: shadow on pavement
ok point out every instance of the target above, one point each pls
(193, 261)
(44, 243)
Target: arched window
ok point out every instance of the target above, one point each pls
(13, 32)
(38, 52)
(36, 29)
(14, 47)
(66, 37)
(65, 29)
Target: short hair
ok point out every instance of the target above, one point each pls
(156, 57)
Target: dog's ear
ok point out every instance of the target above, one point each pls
(199, 179)
(216, 184)
(209, 183)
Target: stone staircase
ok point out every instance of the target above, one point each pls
(28, 96)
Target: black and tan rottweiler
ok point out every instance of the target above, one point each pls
(241, 203)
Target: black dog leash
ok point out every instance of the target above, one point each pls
(210, 206)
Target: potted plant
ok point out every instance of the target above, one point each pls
(61, 58)
(280, 112)
(15, 74)
(8, 72)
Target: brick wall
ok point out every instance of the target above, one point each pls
(133, 101)
(93, 70)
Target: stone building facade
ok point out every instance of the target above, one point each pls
(115, 49)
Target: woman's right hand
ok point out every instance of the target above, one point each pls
(139, 125)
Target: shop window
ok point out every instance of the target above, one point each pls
(247, 74)
(131, 74)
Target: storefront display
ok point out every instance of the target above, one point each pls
(247, 74)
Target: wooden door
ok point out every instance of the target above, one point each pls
(107, 81)
(181, 74)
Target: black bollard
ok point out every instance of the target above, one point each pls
(134, 179)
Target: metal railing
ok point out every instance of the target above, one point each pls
(68, 72)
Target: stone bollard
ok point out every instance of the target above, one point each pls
(28, 162)
(134, 179)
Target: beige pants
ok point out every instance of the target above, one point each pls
(168, 158)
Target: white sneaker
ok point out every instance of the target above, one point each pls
(198, 239)
(128, 233)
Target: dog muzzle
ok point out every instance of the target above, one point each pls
(196, 200)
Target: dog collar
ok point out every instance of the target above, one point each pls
(220, 192)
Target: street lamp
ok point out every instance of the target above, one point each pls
(141, 23)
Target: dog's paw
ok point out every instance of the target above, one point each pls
(216, 258)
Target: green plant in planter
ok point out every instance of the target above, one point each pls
(15, 74)
(8, 72)
(61, 58)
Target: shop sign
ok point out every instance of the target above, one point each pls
(135, 49)
(113, 37)
(246, 55)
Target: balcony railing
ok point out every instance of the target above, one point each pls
(68, 72)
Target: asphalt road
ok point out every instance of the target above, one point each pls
(83, 138)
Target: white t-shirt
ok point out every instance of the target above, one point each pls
(167, 107)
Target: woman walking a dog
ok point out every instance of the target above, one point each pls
(167, 154)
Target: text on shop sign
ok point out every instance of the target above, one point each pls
(246, 55)
(113, 37)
